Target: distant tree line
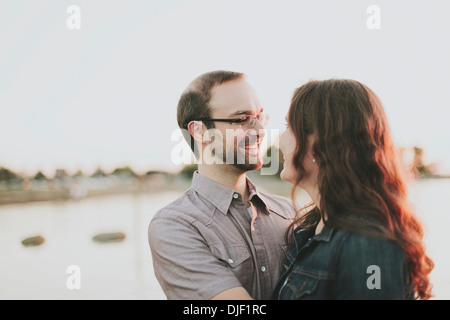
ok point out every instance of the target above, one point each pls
(419, 167)
(7, 175)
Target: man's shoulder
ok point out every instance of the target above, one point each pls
(177, 208)
(184, 218)
(170, 219)
(187, 208)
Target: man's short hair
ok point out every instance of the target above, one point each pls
(194, 102)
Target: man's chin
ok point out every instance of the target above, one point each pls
(248, 166)
(245, 161)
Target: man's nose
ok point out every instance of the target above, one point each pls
(257, 132)
(258, 125)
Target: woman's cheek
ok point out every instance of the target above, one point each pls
(288, 174)
(287, 146)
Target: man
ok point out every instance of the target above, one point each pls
(222, 239)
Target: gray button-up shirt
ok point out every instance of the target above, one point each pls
(207, 241)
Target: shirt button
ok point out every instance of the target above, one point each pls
(263, 269)
(235, 196)
(230, 260)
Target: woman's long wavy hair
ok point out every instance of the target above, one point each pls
(361, 181)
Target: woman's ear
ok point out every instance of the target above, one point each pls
(311, 141)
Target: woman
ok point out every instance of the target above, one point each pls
(359, 238)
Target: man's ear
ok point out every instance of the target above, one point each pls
(196, 129)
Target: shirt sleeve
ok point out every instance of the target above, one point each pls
(371, 268)
(183, 263)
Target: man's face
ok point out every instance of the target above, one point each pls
(241, 142)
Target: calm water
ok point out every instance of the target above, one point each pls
(124, 270)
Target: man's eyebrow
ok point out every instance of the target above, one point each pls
(237, 113)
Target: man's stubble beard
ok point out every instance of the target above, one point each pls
(246, 166)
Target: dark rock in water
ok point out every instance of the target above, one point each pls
(33, 241)
(109, 237)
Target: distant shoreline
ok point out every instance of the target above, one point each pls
(62, 195)
(433, 177)
(10, 197)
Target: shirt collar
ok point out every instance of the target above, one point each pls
(221, 196)
(256, 197)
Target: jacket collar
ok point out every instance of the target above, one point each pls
(300, 236)
(325, 235)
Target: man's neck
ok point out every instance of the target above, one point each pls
(227, 176)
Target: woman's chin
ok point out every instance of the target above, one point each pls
(286, 177)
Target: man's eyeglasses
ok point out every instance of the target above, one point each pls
(247, 121)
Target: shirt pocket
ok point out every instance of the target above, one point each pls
(237, 255)
(238, 259)
(303, 284)
(232, 255)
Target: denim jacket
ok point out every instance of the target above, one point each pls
(337, 264)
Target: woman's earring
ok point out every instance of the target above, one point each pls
(314, 160)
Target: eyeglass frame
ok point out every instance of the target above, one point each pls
(234, 120)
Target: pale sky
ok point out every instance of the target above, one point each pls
(106, 94)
